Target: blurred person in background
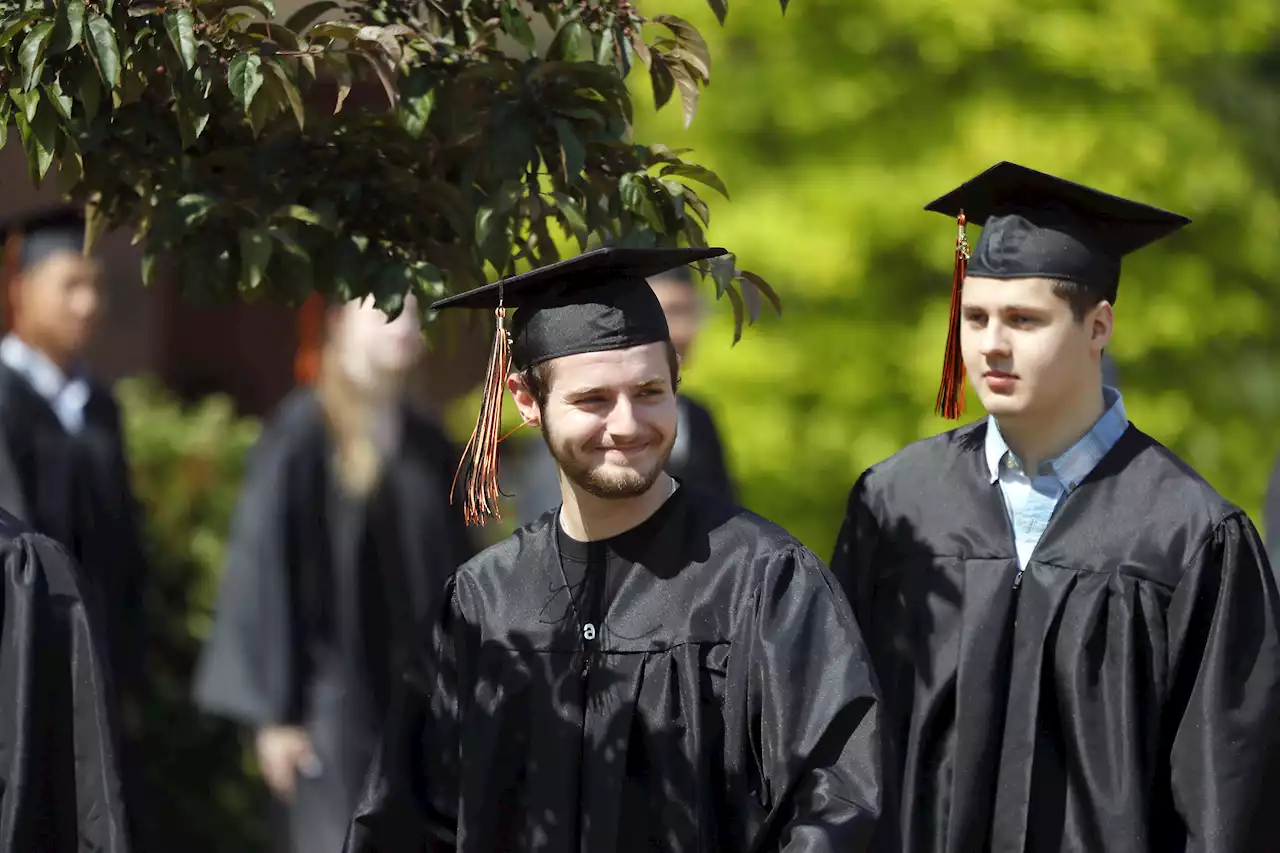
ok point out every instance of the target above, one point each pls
(62, 461)
(697, 457)
(1077, 637)
(342, 540)
(1271, 514)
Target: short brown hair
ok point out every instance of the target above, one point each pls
(538, 378)
(1082, 298)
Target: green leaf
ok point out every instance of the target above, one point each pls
(345, 30)
(181, 27)
(195, 208)
(608, 40)
(103, 48)
(244, 78)
(416, 103)
(69, 31)
(296, 268)
(31, 54)
(277, 33)
(664, 84)
(517, 26)
(572, 43)
(723, 270)
(43, 138)
(693, 172)
(689, 40)
(573, 152)
(347, 263)
(736, 300)
(721, 8)
(70, 166)
(303, 214)
(255, 255)
(688, 91)
(291, 94)
(430, 281)
(384, 76)
(89, 90)
(60, 101)
(148, 268)
(573, 216)
(27, 104)
(393, 282)
(18, 26)
(6, 107)
(765, 289)
(308, 14)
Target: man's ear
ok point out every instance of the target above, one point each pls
(526, 403)
(1102, 322)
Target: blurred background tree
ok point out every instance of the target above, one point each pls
(834, 131)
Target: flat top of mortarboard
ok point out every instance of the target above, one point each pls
(590, 269)
(60, 218)
(1006, 187)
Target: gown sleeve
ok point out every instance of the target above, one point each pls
(59, 768)
(1222, 718)
(410, 798)
(1271, 514)
(811, 717)
(852, 562)
(247, 671)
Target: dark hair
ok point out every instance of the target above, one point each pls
(538, 378)
(1081, 297)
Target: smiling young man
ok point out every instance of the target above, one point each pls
(637, 670)
(1076, 637)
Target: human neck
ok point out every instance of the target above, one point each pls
(61, 360)
(1035, 440)
(588, 518)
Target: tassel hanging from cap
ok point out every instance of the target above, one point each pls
(10, 262)
(950, 402)
(479, 466)
(306, 362)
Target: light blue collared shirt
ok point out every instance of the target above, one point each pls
(1030, 501)
(66, 395)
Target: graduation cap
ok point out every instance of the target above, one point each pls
(1036, 225)
(30, 238)
(594, 302)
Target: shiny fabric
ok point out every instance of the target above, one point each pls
(60, 789)
(727, 704)
(321, 597)
(1120, 696)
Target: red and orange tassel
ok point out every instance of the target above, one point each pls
(950, 402)
(306, 361)
(479, 466)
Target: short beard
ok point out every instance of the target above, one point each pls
(613, 485)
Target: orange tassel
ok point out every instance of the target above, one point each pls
(480, 458)
(306, 363)
(950, 402)
(8, 272)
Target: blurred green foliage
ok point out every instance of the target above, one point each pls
(835, 127)
(187, 465)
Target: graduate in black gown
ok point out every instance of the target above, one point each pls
(341, 544)
(62, 461)
(697, 458)
(644, 669)
(60, 788)
(1077, 638)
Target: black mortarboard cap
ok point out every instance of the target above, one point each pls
(42, 234)
(593, 302)
(1036, 225)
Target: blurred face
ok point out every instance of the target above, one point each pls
(1024, 350)
(609, 419)
(683, 306)
(58, 301)
(371, 346)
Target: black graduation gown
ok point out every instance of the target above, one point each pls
(320, 597)
(697, 457)
(75, 489)
(59, 781)
(727, 704)
(1122, 695)
(1271, 513)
